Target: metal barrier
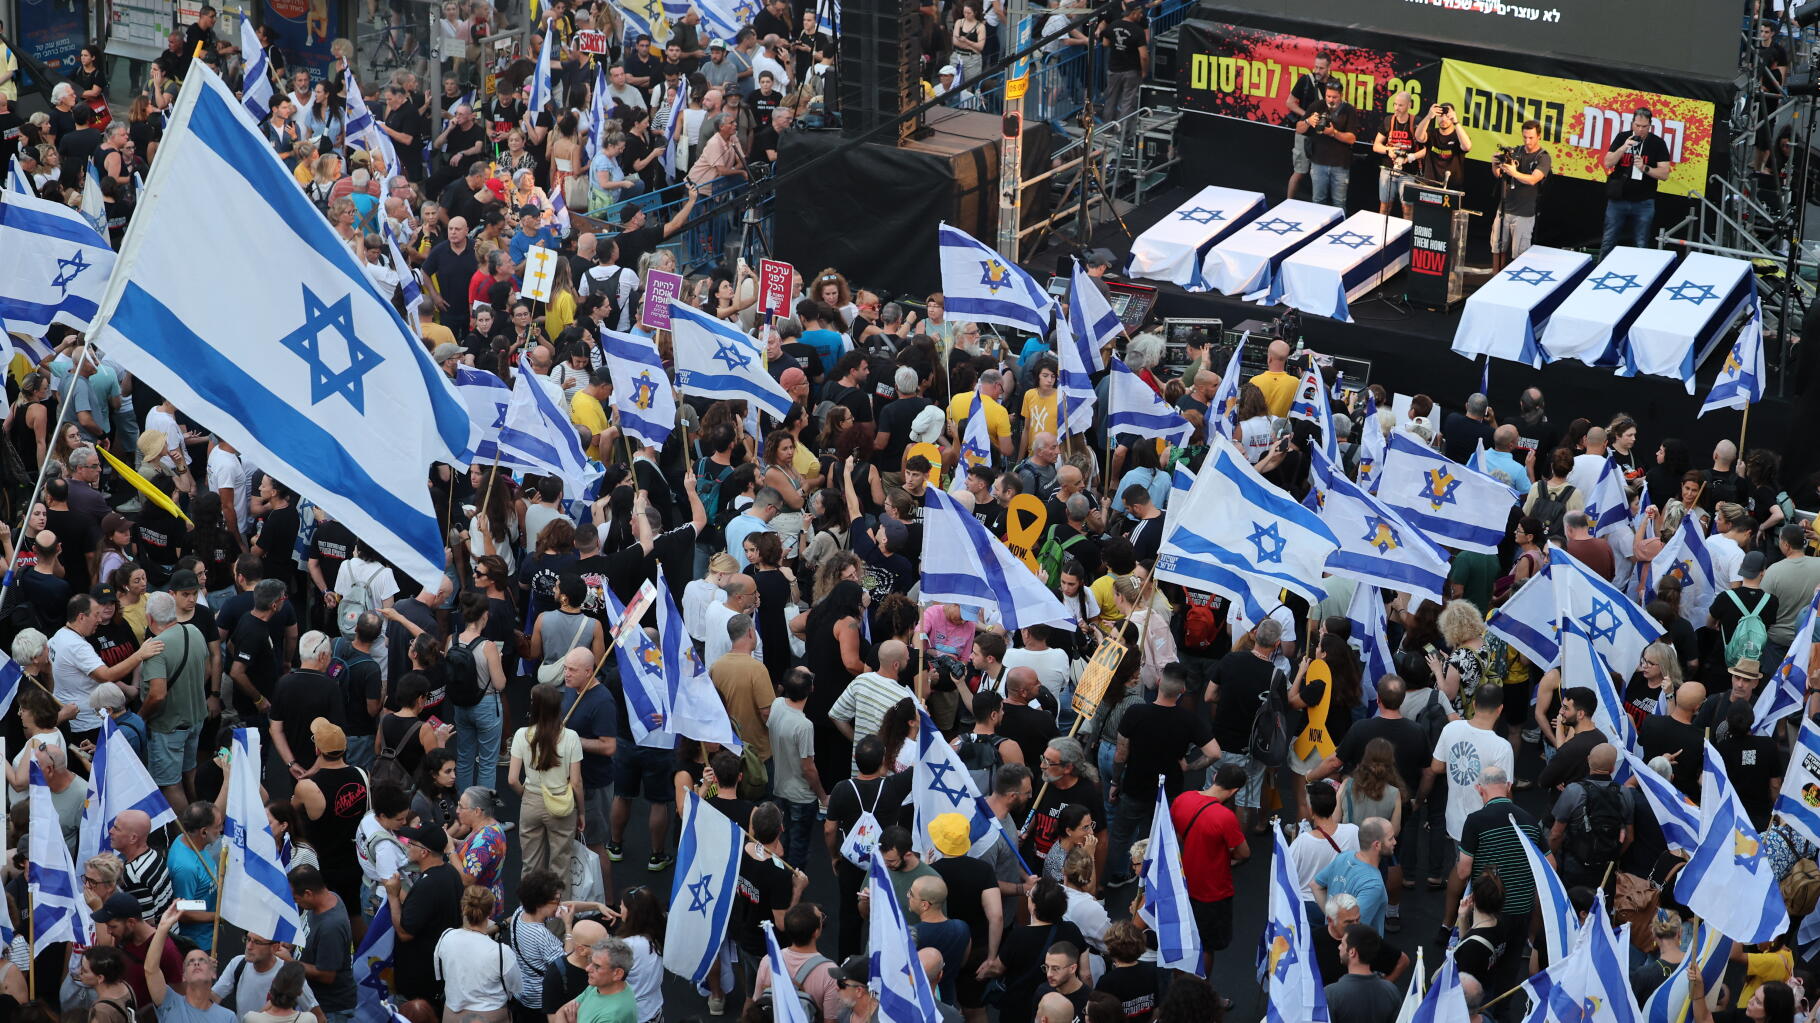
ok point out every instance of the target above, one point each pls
(714, 222)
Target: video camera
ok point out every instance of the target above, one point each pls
(1504, 154)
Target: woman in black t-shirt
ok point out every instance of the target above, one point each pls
(1024, 947)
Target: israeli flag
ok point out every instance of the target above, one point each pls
(1370, 639)
(895, 973)
(1286, 949)
(1091, 318)
(255, 894)
(1669, 1002)
(537, 432)
(1223, 411)
(94, 204)
(10, 672)
(1166, 902)
(363, 131)
(1558, 918)
(538, 95)
(1412, 998)
(1618, 628)
(372, 970)
(642, 393)
(940, 783)
(984, 287)
(1527, 621)
(407, 278)
(702, 891)
(1678, 816)
(6, 913)
(256, 87)
(1235, 522)
(597, 109)
(1076, 382)
(559, 215)
(118, 782)
(1445, 1000)
(17, 180)
(1581, 663)
(1685, 558)
(58, 912)
(1787, 692)
(976, 570)
(309, 371)
(57, 265)
(1608, 506)
(1592, 983)
(1252, 597)
(715, 359)
(976, 435)
(672, 131)
(1132, 408)
(650, 691)
(722, 19)
(785, 1007)
(696, 708)
(1373, 446)
(1376, 545)
(487, 399)
(1798, 803)
(1454, 505)
(1310, 405)
(1740, 381)
(1730, 883)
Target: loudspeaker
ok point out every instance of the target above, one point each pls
(880, 66)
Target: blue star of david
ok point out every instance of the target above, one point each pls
(1594, 630)
(994, 276)
(972, 450)
(305, 343)
(499, 417)
(733, 355)
(67, 272)
(1688, 291)
(1381, 534)
(1747, 852)
(700, 898)
(1440, 488)
(646, 392)
(1532, 275)
(1350, 239)
(1268, 541)
(1612, 281)
(938, 782)
(1277, 225)
(1201, 215)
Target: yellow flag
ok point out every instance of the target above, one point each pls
(144, 486)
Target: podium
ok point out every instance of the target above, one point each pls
(1437, 258)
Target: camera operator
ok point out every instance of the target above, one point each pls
(1306, 92)
(1448, 144)
(1396, 145)
(1637, 161)
(1521, 170)
(1331, 127)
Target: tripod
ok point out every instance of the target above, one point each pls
(1089, 181)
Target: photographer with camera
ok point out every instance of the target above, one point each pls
(1448, 144)
(1637, 160)
(1521, 169)
(1306, 92)
(1331, 127)
(1396, 145)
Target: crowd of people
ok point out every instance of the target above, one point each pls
(457, 761)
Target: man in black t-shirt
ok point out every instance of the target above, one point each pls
(10, 123)
(254, 664)
(767, 885)
(1522, 176)
(1157, 743)
(1329, 130)
(1447, 142)
(1127, 43)
(463, 142)
(1637, 162)
(1306, 92)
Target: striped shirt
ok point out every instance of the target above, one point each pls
(865, 701)
(536, 949)
(1488, 839)
(147, 879)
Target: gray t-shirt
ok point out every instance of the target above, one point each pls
(250, 986)
(183, 664)
(792, 739)
(1793, 581)
(329, 945)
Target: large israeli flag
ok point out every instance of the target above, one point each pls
(1168, 910)
(118, 782)
(1527, 621)
(650, 691)
(1787, 691)
(1133, 408)
(696, 709)
(57, 265)
(894, 971)
(1286, 959)
(642, 393)
(984, 287)
(1669, 1002)
(1075, 381)
(715, 359)
(1608, 506)
(256, 89)
(303, 365)
(537, 432)
(1799, 801)
(373, 970)
(1582, 665)
(940, 784)
(703, 890)
(1730, 883)
(1677, 815)
(1376, 545)
(1740, 381)
(1618, 628)
(1685, 558)
(57, 910)
(487, 399)
(1454, 505)
(972, 568)
(1592, 983)
(255, 894)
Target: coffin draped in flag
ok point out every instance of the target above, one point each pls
(972, 568)
(982, 286)
(1454, 505)
(642, 393)
(307, 369)
(57, 265)
(1133, 408)
(1730, 882)
(118, 782)
(1167, 908)
(255, 894)
(715, 359)
(1375, 545)
(702, 892)
(1286, 959)
(1786, 691)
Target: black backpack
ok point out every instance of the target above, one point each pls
(464, 689)
(1550, 511)
(1594, 828)
(981, 756)
(1269, 744)
(1432, 718)
(387, 769)
(610, 291)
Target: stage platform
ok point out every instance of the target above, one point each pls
(1411, 352)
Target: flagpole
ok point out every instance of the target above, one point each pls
(31, 941)
(221, 866)
(1743, 428)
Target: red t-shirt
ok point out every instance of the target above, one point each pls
(1207, 848)
(171, 961)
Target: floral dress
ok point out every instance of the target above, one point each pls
(483, 854)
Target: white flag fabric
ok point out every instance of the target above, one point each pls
(940, 784)
(598, 105)
(256, 86)
(1678, 817)
(255, 895)
(1619, 629)
(1311, 404)
(1592, 983)
(649, 689)
(57, 265)
(1799, 801)
(1223, 410)
(1582, 665)
(58, 912)
(1527, 620)
(722, 19)
(6, 913)
(118, 782)
(537, 95)
(1091, 318)
(487, 399)
(1454, 505)
(309, 371)
(894, 971)
(1373, 446)
(1075, 380)
(1166, 896)
(1376, 545)
(1132, 407)
(642, 393)
(982, 286)
(1297, 993)
(1608, 506)
(972, 568)
(1669, 1002)
(703, 890)
(715, 359)
(1558, 926)
(17, 181)
(1685, 559)
(538, 434)
(1786, 692)
(11, 675)
(1729, 882)
(1740, 381)
(363, 131)
(1370, 638)
(1412, 998)
(785, 1008)
(1445, 999)
(697, 710)
(94, 202)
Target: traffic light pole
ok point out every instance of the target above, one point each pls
(1010, 159)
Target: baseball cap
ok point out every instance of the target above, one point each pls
(328, 736)
(1099, 257)
(1753, 565)
(717, 44)
(949, 70)
(360, 156)
(119, 906)
(852, 971)
(183, 579)
(104, 594)
(446, 350)
(950, 834)
(529, 210)
(430, 836)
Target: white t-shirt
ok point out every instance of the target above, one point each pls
(698, 596)
(646, 978)
(1310, 853)
(30, 748)
(1585, 474)
(159, 419)
(477, 973)
(1468, 751)
(379, 858)
(227, 471)
(73, 661)
(380, 583)
(1051, 667)
(1727, 558)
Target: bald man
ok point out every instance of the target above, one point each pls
(933, 968)
(1025, 723)
(1276, 382)
(450, 266)
(1502, 462)
(948, 939)
(1676, 736)
(860, 708)
(1055, 1008)
(1199, 397)
(1590, 810)
(144, 875)
(1722, 480)
(1589, 463)
(563, 981)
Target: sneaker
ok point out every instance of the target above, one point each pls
(615, 852)
(658, 863)
(717, 1005)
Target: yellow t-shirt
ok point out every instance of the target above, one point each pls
(1039, 414)
(1279, 390)
(585, 410)
(561, 313)
(1102, 592)
(998, 421)
(1762, 967)
(805, 463)
(435, 334)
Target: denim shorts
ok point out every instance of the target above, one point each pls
(169, 754)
